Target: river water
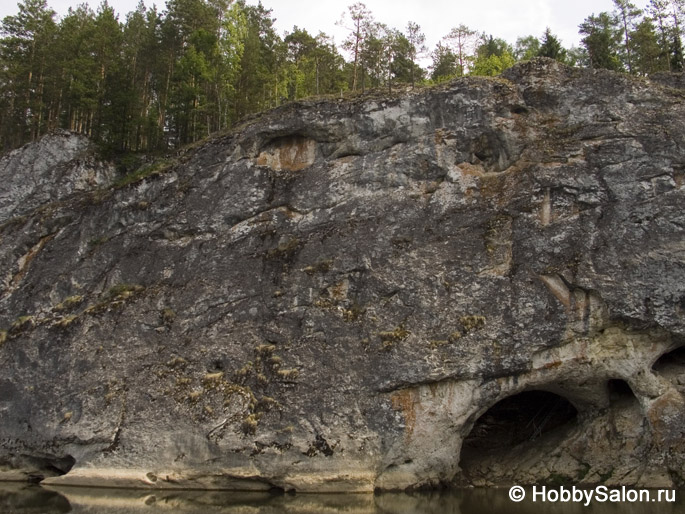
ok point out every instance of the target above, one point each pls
(24, 499)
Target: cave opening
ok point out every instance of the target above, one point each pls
(48, 466)
(671, 365)
(520, 418)
(61, 465)
(619, 390)
(522, 423)
(675, 358)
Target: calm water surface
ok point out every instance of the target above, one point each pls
(23, 499)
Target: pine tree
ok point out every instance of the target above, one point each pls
(647, 54)
(626, 13)
(361, 22)
(676, 47)
(417, 47)
(25, 49)
(373, 58)
(329, 66)
(551, 47)
(300, 49)
(107, 48)
(81, 72)
(463, 41)
(659, 12)
(445, 65)
(232, 48)
(258, 84)
(601, 41)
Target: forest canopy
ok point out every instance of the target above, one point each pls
(153, 80)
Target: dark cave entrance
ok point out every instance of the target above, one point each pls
(620, 391)
(527, 421)
(48, 466)
(672, 359)
(671, 365)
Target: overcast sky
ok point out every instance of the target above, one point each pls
(507, 19)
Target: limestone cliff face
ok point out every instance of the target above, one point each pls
(49, 170)
(335, 296)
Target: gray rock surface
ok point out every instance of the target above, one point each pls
(48, 170)
(332, 296)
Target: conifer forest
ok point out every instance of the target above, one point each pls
(152, 80)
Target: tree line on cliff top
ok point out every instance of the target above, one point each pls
(161, 79)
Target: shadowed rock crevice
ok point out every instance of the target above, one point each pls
(36, 468)
(620, 391)
(671, 366)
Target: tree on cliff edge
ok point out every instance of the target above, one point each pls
(24, 75)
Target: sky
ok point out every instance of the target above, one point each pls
(505, 19)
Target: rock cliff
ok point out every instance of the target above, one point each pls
(479, 283)
(52, 169)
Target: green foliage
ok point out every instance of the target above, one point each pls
(359, 22)
(493, 47)
(493, 57)
(312, 65)
(156, 168)
(625, 14)
(464, 42)
(152, 80)
(26, 65)
(67, 321)
(115, 297)
(601, 41)
(403, 68)
(492, 65)
(444, 65)
(667, 16)
(648, 56)
(155, 80)
(416, 48)
(526, 48)
(551, 47)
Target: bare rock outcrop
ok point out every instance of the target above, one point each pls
(479, 283)
(47, 171)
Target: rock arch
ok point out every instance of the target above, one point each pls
(520, 427)
(607, 377)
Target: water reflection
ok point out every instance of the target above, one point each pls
(30, 499)
(22, 499)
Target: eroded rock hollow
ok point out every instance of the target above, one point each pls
(479, 283)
